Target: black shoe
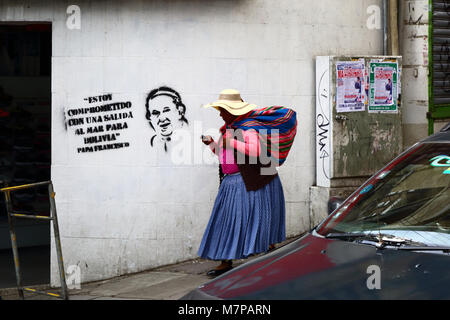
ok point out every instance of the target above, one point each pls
(215, 273)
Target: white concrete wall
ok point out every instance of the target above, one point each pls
(414, 49)
(127, 210)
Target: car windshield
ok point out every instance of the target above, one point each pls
(409, 198)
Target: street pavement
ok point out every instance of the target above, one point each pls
(163, 283)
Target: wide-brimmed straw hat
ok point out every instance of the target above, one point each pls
(230, 100)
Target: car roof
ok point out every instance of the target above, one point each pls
(441, 136)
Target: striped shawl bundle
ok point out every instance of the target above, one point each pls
(276, 126)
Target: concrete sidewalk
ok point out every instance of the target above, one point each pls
(163, 283)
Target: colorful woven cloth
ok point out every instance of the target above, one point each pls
(276, 126)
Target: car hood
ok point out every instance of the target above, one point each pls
(317, 268)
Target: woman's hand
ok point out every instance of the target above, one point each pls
(207, 140)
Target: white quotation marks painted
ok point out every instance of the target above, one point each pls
(374, 280)
(374, 19)
(73, 279)
(73, 21)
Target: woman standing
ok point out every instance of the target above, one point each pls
(248, 216)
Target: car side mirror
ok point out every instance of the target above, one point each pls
(334, 203)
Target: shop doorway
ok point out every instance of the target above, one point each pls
(25, 146)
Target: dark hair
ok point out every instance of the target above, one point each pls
(169, 92)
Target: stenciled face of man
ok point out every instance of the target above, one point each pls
(164, 115)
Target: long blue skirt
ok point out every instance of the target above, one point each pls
(244, 222)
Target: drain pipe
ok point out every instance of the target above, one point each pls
(390, 28)
(393, 28)
(385, 31)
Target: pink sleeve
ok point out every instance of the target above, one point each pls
(250, 146)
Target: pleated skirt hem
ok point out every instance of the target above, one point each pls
(244, 223)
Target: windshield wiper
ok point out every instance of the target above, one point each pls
(348, 235)
(380, 237)
(425, 248)
(381, 240)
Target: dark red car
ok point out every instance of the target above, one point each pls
(389, 240)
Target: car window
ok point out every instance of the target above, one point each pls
(411, 196)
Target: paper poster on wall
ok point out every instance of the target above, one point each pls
(350, 84)
(383, 87)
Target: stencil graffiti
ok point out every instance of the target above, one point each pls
(100, 126)
(165, 113)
